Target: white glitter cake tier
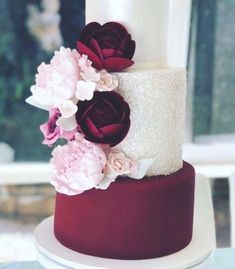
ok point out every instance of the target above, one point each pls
(157, 102)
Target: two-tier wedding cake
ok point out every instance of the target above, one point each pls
(123, 190)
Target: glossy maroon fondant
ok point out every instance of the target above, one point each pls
(132, 219)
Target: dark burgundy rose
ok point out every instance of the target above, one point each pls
(105, 118)
(108, 46)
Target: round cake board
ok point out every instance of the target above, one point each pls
(198, 254)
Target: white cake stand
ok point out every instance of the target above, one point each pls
(198, 254)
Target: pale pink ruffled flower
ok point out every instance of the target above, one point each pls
(84, 63)
(57, 81)
(52, 132)
(78, 166)
(107, 82)
(88, 73)
(68, 108)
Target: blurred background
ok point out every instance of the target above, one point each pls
(30, 31)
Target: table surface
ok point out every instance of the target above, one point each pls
(223, 259)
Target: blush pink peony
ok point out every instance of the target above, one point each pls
(78, 166)
(57, 81)
(52, 132)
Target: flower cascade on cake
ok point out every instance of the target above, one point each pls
(86, 111)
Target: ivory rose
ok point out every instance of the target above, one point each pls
(107, 82)
(119, 164)
(78, 166)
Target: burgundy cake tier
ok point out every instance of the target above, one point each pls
(132, 219)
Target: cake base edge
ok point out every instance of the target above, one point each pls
(132, 219)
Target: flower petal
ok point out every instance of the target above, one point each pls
(118, 27)
(112, 129)
(33, 101)
(92, 129)
(108, 52)
(130, 49)
(103, 36)
(110, 133)
(123, 44)
(85, 90)
(88, 30)
(104, 184)
(96, 62)
(95, 47)
(90, 74)
(67, 124)
(142, 168)
(117, 53)
(67, 109)
(117, 63)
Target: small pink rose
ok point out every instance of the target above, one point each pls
(107, 82)
(118, 164)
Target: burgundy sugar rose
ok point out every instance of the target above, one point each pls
(108, 46)
(105, 118)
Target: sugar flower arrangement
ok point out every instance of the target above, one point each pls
(85, 109)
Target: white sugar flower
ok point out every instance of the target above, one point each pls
(90, 75)
(67, 108)
(85, 90)
(67, 124)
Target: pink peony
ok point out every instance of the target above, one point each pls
(52, 131)
(79, 166)
(57, 81)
